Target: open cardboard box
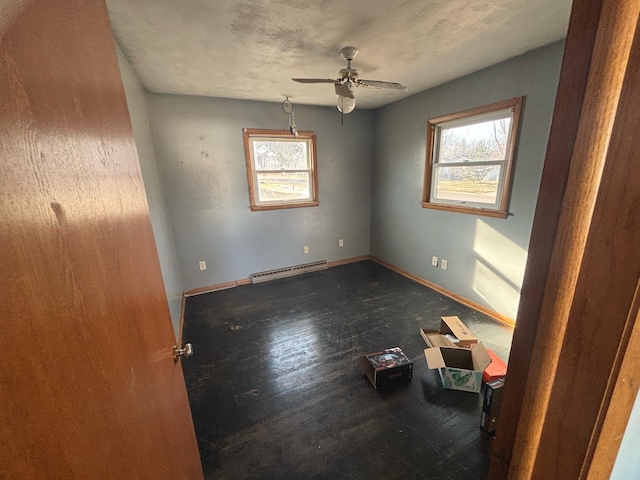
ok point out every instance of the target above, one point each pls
(461, 335)
(459, 368)
(457, 354)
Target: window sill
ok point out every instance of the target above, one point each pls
(279, 206)
(471, 210)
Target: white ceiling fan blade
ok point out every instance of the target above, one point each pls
(314, 80)
(344, 90)
(379, 84)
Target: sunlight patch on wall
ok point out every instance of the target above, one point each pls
(501, 295)
(499, 269)
(503, 255)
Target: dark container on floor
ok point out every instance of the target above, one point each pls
(387, 368)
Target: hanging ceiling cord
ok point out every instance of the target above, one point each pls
(287, 107)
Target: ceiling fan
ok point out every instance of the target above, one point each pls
(348, 80)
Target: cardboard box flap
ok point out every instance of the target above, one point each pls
(454, 326)
(477, 359)
(481, 358)
(434, 358)
(459, 368)
(433, 338)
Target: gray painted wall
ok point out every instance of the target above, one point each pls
(153, 187)
(486, 255)
(200, 150)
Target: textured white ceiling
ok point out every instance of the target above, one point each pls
(250, 49)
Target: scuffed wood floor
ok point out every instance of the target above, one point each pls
(275, 390)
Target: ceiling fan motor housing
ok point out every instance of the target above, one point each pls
(349, 73)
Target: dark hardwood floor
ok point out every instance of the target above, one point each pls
(275, 390)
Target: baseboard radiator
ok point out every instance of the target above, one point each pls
(288, 271)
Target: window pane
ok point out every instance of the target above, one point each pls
(280, 155)
(478, 142)
(467, 184)
(283, 186)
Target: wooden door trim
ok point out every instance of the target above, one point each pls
(623, 391)
(554, 300)
(564, 129)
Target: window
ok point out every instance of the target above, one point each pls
(281, 169)
(470, 159)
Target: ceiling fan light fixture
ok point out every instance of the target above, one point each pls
(345, 104)
(347, 80)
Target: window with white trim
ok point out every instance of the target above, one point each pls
(281, 169)
(470, 159)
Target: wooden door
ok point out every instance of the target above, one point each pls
(88, 385)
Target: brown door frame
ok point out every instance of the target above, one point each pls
(571, 355)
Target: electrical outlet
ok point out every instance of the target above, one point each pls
(341, 243)
(202, 264)
(306, 249)
(434, 261)
(444, 264)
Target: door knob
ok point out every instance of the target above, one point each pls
(186, 351)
